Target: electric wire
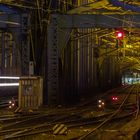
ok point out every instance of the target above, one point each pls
(39, 15)
(32, 46)
(19, 5)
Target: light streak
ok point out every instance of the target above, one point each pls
(8, 84)
(9, 77)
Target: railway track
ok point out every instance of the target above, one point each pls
(47, 127)
(133, 90)
(72, 117)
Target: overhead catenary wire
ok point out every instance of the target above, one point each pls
(32, 47)
(124, 21)
(19, 5)
(39, 15)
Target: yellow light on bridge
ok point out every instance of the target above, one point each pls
(129, 46)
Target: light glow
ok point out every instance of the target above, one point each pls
(114, 98)
(103, 103)
(9, 77)
(10, 102)
(8, 84)
(128, 46)
(119, 35)
(99, 101)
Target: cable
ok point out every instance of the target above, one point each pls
(32, 46)
(63, 1)
(39, 15)
(19, 6)
(128, 22)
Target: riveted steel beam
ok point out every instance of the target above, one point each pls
(98, 20)
(25, 44)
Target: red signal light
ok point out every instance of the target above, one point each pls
(114, 98)
(119, 34)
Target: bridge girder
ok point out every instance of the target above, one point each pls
(97, 20)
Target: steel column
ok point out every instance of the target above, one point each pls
(25, 44)
(52, 62)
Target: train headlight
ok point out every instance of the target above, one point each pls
(10, 106)
(99, 101)
(101, 104)
(10, 102)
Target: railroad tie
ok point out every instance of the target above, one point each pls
(60, 129)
